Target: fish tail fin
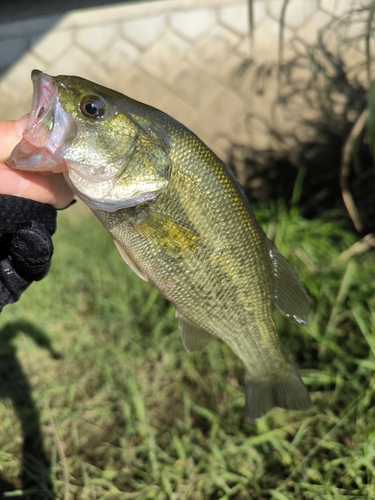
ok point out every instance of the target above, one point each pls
(288, 392)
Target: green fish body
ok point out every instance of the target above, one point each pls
(179, 218)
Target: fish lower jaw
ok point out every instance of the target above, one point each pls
(27, 156)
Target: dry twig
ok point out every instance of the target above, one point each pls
(359, 247)
(345, 169)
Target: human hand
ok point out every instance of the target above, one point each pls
(26, 248)
(28, 203)
(44, 187)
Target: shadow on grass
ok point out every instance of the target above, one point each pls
(34, 479)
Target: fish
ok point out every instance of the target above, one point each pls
(179, 218)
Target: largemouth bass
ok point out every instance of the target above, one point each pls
(179, 218)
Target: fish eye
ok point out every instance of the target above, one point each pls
(92, 107)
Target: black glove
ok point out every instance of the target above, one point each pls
(26, 227)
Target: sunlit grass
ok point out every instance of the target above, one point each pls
(125, 412)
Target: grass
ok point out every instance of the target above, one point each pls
(93, 366)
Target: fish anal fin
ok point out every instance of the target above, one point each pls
(289, 293)
(289, 393)
(130, 262)
(193, 337)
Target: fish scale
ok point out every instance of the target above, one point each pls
(179, 218)
(240, 280)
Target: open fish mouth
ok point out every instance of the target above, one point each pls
(46, 130)
(102, 160)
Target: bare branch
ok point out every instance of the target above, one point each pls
(345, 170)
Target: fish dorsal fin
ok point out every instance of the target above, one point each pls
(130, 262)
(193, 337)
(289, 294)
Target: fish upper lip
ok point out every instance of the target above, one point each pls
(47, 130)
(44, 97)
(42, 82)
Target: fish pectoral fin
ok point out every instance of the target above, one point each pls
(171, 235)
(193, 337)
(130, 262)
(288, 392)
(289, 293)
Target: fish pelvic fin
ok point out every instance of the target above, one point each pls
(193, 337)
(289, 293)
(126, 257)
(289, 393)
